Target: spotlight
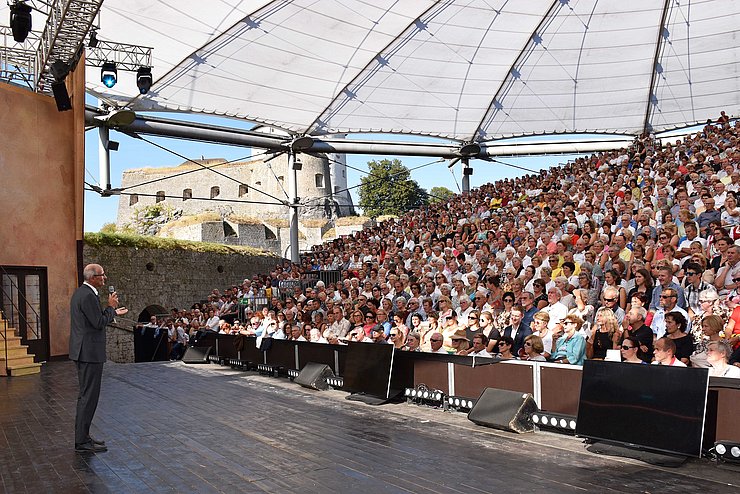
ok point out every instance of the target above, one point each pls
(109, 74)
(144, 79)
(727, 451)
(20, 21)
(459, 404)
(421, 395)
(555, 422)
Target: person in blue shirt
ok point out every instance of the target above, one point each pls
(571, 346)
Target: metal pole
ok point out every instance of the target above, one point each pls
(104, 157)
(223, 135)
(466, 175)
(293, 207)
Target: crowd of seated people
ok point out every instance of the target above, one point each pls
(633, 252)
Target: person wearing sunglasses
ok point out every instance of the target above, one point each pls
(534, 348)
(570, 348)
(435, 342)
(505, 346)
(630, 349)
(668, 304)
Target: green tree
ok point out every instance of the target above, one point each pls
(388, 189)
(440, 194)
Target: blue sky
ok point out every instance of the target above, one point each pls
(134, 153)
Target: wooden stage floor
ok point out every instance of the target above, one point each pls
(171, 427)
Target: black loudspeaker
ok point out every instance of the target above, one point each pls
(314, 376)
(61, 96)
(468, 170)
(503, 409)
(197, 355)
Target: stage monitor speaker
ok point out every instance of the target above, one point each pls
(503, 409)
(314, 376)
(197, 355)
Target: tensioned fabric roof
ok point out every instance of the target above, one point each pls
(472, 70)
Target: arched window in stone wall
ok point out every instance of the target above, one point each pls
(243, 190)
(281, 179)
(215, 191)
(133, 199)
(160, 196)
(319, 180)
(187, 194)
(269, 234)
(258, 183)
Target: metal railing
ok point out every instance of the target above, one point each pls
(21, 314)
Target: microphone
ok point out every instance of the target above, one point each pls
(111, 289)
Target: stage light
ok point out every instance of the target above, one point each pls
(109, 74)
(460, 404)
(93, 39)
(20, 21)
(144, 79)
(421, 395)
(555, 422)
(726, 451)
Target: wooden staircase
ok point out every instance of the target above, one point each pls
(20, 362)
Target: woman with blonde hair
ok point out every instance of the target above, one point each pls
(711, 327)
(605, 335)
(540, 322)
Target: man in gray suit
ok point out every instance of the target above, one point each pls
(87, 349)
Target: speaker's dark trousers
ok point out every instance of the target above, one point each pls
(89, 374)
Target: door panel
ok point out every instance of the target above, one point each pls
(23, 299)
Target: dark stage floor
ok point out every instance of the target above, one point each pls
(177, 428)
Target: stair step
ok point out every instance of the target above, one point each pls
(13, 342)
(18, 351)
(16, 362)
(19, 360)
(25, 369)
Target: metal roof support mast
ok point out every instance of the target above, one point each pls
(294, 166)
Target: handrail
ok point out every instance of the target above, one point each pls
(20, 314)
(5, 341)
(25, 299)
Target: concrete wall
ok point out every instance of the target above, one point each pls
(42, 165)
(172, 278)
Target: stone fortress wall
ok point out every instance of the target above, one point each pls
(230, 218)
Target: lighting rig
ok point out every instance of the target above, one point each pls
(422, 395)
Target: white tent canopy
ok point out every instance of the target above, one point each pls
(472, 70)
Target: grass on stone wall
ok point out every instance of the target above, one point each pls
(351, 220)
(146, 242)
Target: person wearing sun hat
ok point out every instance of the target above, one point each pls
(460, 342)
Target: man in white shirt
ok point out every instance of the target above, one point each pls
(556, 309)
(480, 341)
(436, 341)
(212, 321)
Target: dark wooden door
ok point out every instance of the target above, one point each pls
(24, 300)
